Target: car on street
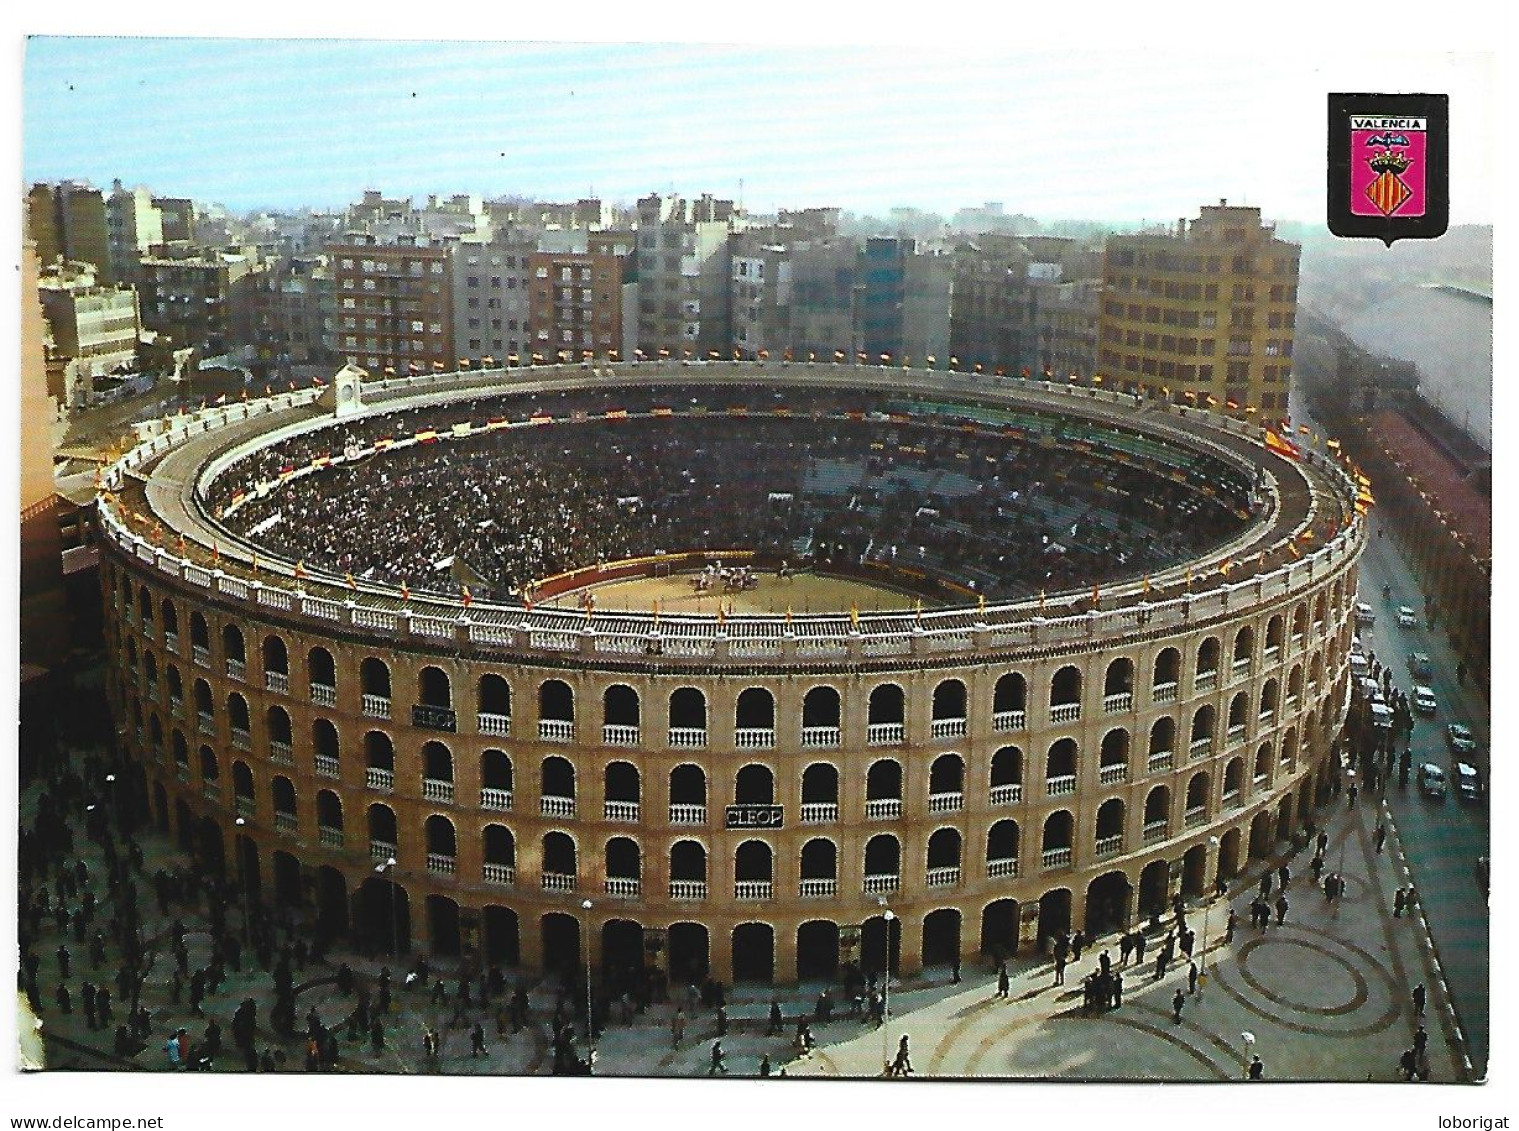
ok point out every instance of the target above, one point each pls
(1468, 782)
(1419, 665)
(1424, 700)
(1460, 739)
(1432, 781)
(1482, 875)
(1365, 615)
(1406, 617)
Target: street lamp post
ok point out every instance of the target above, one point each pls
(1249, 1039)
(590, 1019)
(1202, 980)
(387, 868)
(110, 783)
(887, 916)
(242, 875)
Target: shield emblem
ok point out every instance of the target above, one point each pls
(1388, 165)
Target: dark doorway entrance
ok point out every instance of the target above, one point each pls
(690, 957)
(754, 953)
(817, 950)
(999, 928)
(1108, 899)
(873, 945)
(941, 937)
(1054, 914)
(443, 925)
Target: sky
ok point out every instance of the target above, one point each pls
(1119, 136)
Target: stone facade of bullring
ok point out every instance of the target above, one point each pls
(1005, 794)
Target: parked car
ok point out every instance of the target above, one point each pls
(1419, 665)
(1365, 615)
(1406, 617)
(1468, 782)
(1424, 700)
(1432, 781)
(1459, 737)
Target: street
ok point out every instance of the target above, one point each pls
(1442, 839)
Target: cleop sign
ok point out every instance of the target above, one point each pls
(754, 817)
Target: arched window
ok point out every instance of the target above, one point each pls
(1118, 685)
(1234, 778)
(1009, 702)
(1059, 837)
(949, 703)
(820, 860)
(1167, 674)
(433, 688)
(1244, 649)
(374, 680)
(495, 780)
(883, 781)
(1197, 794)
(1157, 814)
(557, 778)
(754, 785)
(1202, 731)
(1162, 743)
(242, 788)
(379, 752)
(232, 643)
(886, 714)
(1239, 712)
(442, 844)
(1262, 763)
(688, 717)
(203, 705)
(1060, 767)
(556, 711)
(276, 659)
(688, 788)
(943, 852)
(1002, 849)
(820, 717)
(754, 712)
(324, 677)
(170, 618)
(624, 865)
(1065, 694)
(1115, 754)
(622, 788)
(820, 786)
(499, 851)
(277, 723)
(494, 701)
(619, 715)
(1207, 661)
(210, 772)
(946, 779)
(753, 862)
(1269, 697)
(329, 810)
(1007, 776)
(282, 801)
(883, 856)
(437, 766)
(559, 856)
(1109, 831)
(380, 820)
(1274, 636)
(688, 862)
(237, 717)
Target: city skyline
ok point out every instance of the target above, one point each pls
(778, 127)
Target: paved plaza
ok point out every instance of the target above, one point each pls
(1325, 996)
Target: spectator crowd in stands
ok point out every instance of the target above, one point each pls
(836, 480)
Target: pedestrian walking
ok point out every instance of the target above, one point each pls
(1125, 948)
(719, 1060)
(61, 995)
(777, 1021)
(171, 1050)
(1352, 796)
(1408, 1064)
(764, 1066)
(1191, 977)
(1176, 1006)
(1257, 1069)
(477, 1041)
(902, 1065)
(1418, 996)
(954, 972)
(1421, 1040)
(678, 1028)
(1399, 901)
(1188, 941)
(1059, 969)
(1323, 840)
(1281, 909)
(1316, 866)
(1117, 988)
(1380, 836)
(63, 961)
(1160, 965)
(1285, 875)
(1229, 927)
(1002, 981)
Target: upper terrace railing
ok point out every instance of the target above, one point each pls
(1065, 620)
